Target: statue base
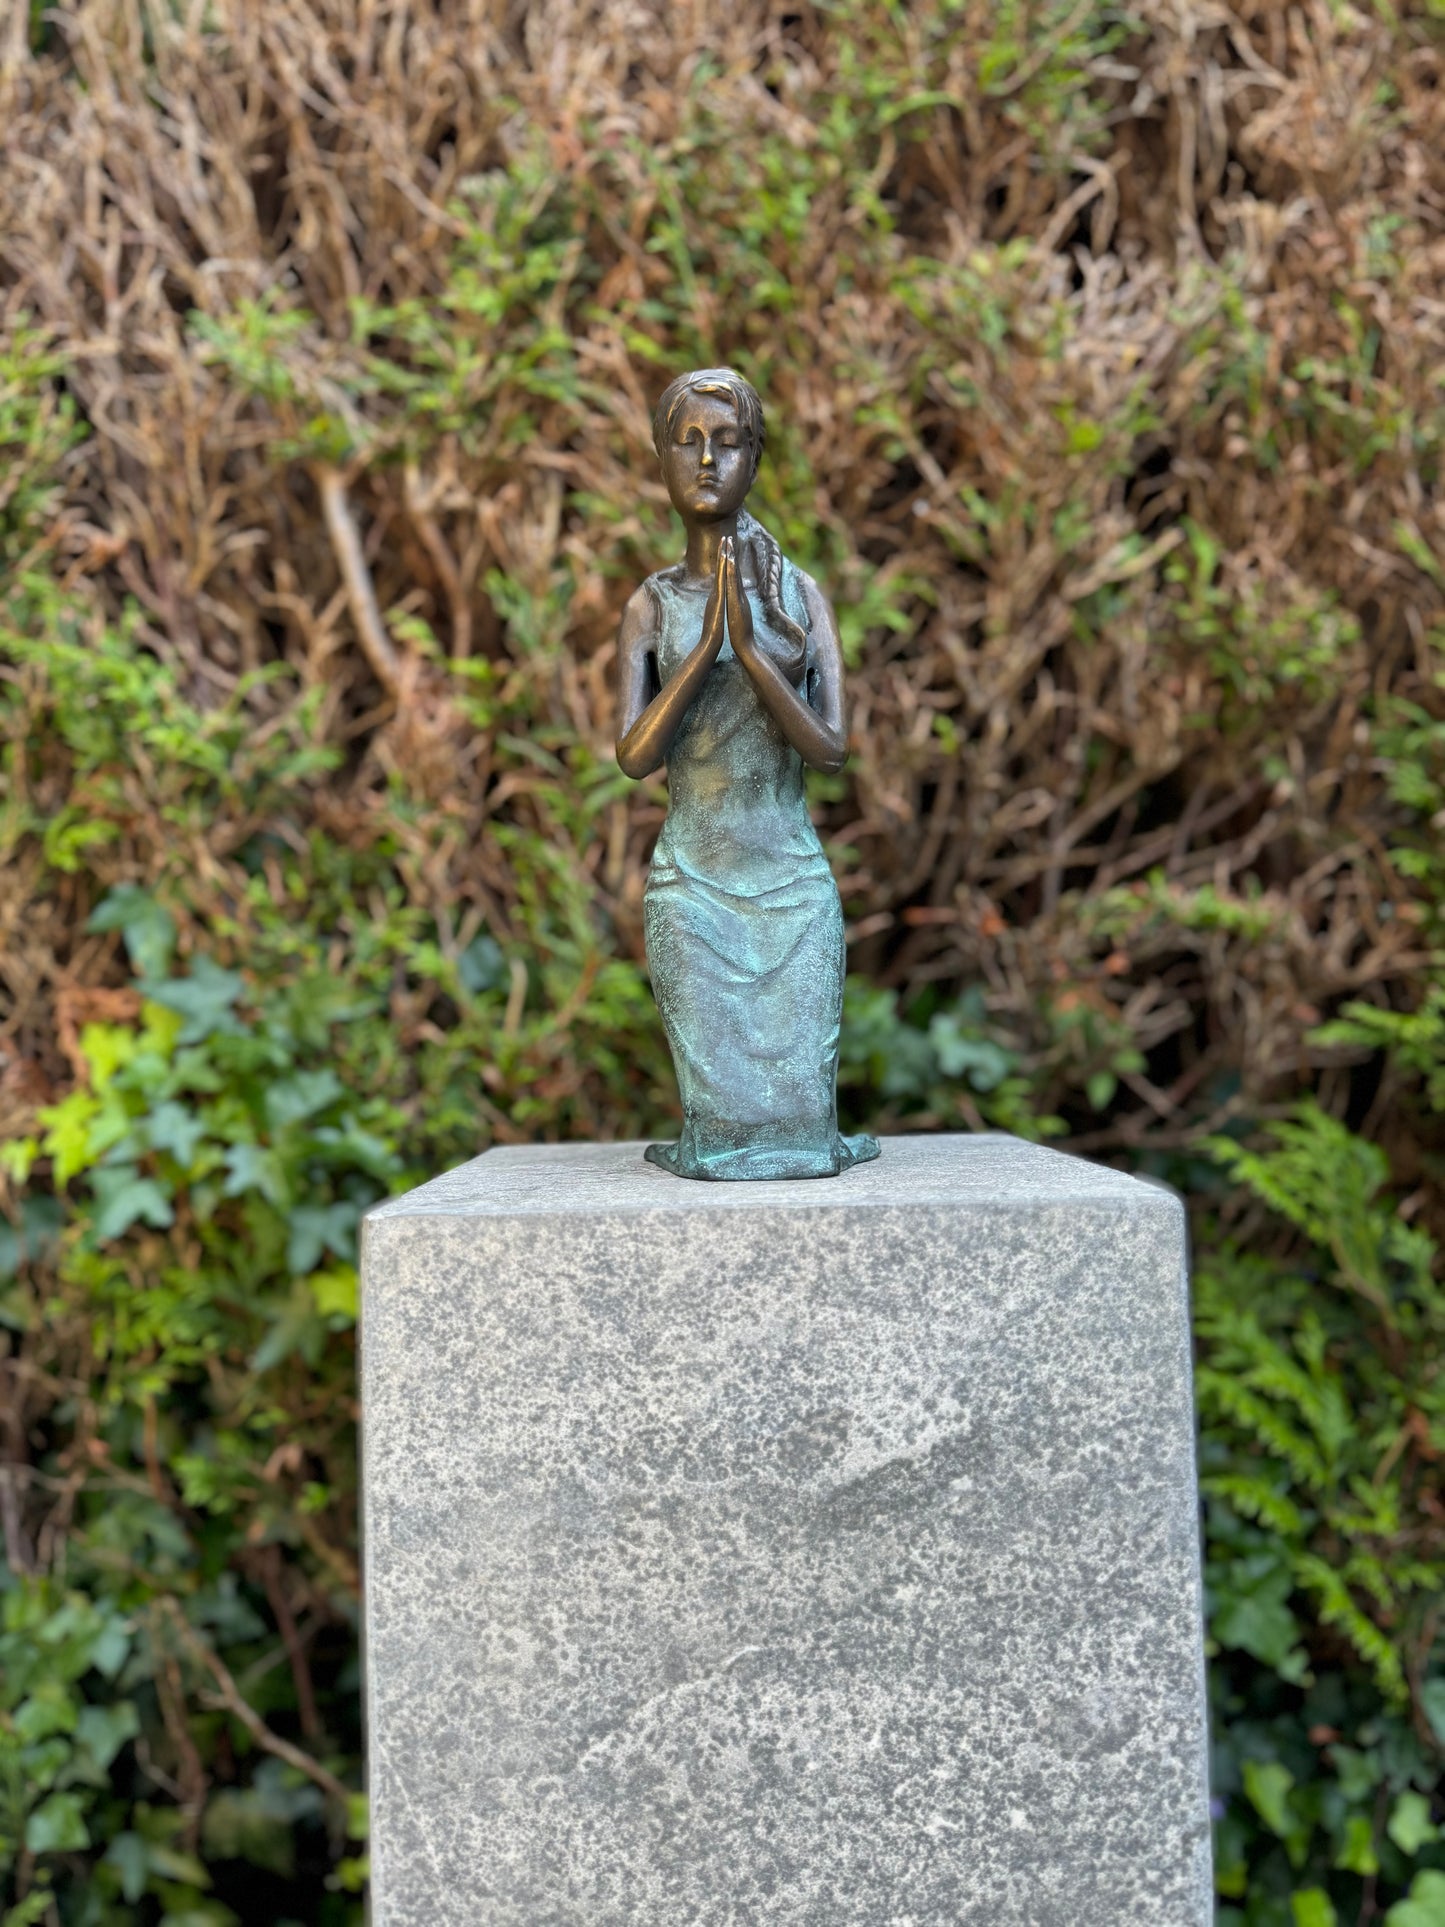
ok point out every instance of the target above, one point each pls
(805, 1552)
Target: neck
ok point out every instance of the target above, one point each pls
(703, 541)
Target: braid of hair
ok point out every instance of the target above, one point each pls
(768, 567)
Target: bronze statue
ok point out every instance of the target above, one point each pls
(731, 673)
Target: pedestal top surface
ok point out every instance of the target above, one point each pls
(987, 1170)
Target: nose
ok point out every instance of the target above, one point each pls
(707, 456)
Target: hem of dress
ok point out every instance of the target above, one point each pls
(766, 1163)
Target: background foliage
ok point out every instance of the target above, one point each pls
(1101, 344)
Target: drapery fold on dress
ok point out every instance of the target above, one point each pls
(743, 924)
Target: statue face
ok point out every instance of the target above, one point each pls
(707, 464)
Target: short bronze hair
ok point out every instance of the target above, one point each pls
(711, 381)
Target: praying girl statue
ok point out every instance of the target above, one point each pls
(731, 674)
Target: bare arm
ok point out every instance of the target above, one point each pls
(812, 720)
(647, 722)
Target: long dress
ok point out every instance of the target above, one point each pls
(743, 922)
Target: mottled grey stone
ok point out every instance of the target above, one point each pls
(817, 1552)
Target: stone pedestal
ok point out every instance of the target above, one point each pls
(751, 1554)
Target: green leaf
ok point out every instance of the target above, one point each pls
(203, 999)
(128, 1854)
(1312, 1907)
(57, 1825)
(297, 1329)
(50, 1709)
(1100, 1089)
(251, 1167)
(172, 1863)
(1267, 1786)
(482, 966)
(239, 1827)
(983, 1062)
(112, 1647)
(1258, 1623)
(318, 1228)
(123, 1197)
(175, 1128)
(149, 929)
(17, 1157)
(39, 1227)
(32, 1910)
(106, 1048)
(1410, 1825)
(1432, 1701)
(335, 1291)
(1425, 1904)
(104, 1730)
(1357, 1850)
(295, 1098)
(67, 1138)
(1359, 1774)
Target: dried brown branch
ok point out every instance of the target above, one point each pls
(356, 574)
(229, 1696)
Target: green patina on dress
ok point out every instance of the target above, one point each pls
(743, 921)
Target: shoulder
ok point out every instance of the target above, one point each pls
(803, 584)
(650, 594)
(641, 610)
(806, 592)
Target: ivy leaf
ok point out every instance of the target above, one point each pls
(1357, 1851)
(294, 1098)
(57, 1825)
(104, 1730)
(1267, 1786)
(1358, 1773)
(985, 1064)
(335, 1292)
(1261, 1624)
(1410, 1825)
(318, 1228)
(149, 929)
(175, 1128)
(251, 1167)
(1432, 1699)
(360, 1149)
(106, 1048)
(173, 1864)
(298, 1329)
(112, 1647)
(67, 1138)
(1425, 1906)
(128, 1855)
(238, 1826)
(1312, 1907)
(123, 1196)
(49, 1710)
(481, 966)
(1100, 1089)
(203, 999)
(34, 1909)
(40, 1222)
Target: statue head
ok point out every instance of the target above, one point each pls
(708, 431)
